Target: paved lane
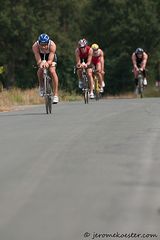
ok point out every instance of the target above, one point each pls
(85, 168)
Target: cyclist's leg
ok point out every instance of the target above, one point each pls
(103, 82)
(54, 77)
(80, 81)
(41, 81)
(135, 76)
(145, 79)
(98, 68)
(40, 76)
(90, 77)
(103, 73)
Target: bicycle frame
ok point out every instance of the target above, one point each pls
(85, 88)
(47, 91)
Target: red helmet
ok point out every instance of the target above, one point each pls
(82, 43)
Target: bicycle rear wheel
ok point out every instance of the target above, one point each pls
(97, 93)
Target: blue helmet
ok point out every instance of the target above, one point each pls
(43, 38)
(139, 50)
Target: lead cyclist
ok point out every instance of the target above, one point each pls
(44, 50)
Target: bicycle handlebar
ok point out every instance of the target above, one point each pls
(139, 69)
(82, 67)
(76, 68)
(36, 66)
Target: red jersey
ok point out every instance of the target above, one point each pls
(96, 57)
(85, 54)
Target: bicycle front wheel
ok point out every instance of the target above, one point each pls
(140, 87)
(48, 97)
(85, 95)
(48, 104)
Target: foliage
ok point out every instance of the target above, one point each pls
(118, 26)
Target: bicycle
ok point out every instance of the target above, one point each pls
(85, 88)
(85, 83)
(96, 85)
(47, 91)
(140, 86)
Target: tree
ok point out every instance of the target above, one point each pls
(121, 27)
(118, 26)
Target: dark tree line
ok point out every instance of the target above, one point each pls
(118, 26)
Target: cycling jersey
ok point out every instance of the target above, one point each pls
(139, 61)
(44, 56)
(84, 56)
(96, 58)
(44, 53)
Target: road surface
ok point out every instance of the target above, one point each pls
(83, 172)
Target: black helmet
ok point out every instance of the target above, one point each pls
(139, 50)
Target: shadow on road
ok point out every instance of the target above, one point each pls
(21, 114)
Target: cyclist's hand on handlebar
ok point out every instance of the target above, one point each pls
(47, 65)
(78, 65)
(136, 68)
(44, 64)
(83, 65)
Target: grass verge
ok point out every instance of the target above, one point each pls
(16, 97)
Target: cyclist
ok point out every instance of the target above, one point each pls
(98, 63)
(44, 50)
(83, 54)
(139, 61)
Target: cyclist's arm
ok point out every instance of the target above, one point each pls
(102, 60)
(134, 61)
(144, 62)
(52, 53)
(36, 54)
(78, 60)
(90, 54)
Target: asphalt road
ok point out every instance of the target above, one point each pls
(82, 171)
